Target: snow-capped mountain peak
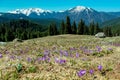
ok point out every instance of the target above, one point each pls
(27, 12)
(80, 9)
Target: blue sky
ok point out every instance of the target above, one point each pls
(57, 5)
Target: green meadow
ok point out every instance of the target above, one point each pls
(62, 57)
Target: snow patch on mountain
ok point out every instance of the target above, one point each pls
(61, 11)
(27, 12)
(80, 9)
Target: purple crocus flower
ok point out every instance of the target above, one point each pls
(77, 55)
(61, 53)
(81, 73)
(110, 49)
(48, 59)
(72, 49)
(12, 57)
(66, 53)
(91, 71)
(29, 59)
(61, 61)
(99, 49)
(41, 59)
(56, 60)
(100, 67)
(46, 52)
(1, 55)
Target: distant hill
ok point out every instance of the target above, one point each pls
(22, 23)
(2, 19)
(13, 16)
(5, 17)
(114, 24)
(114, 13)
(46, 22)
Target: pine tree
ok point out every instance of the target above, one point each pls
(6, 36)
(2, 37)
(91, 28)
(81, 25)
(68, 26)
(117, 32)
(86, 30)
(52, 29)
(107, 31)
(62, 29)
(74, 28)
(96, 28)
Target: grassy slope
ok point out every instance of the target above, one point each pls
(14, 53)
(114, 24)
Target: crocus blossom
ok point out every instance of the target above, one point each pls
(81, 73)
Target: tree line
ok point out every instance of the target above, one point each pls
(26, 29)
(81, 28)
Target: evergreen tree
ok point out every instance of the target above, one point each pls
(96, 28)
(74, 28)
(68, 26)
(91, 28)
(86, 30)
(62, 29)
(52, 29)
(2, 37)
(117, 32)
(107, 31)
(6, 36)
(81, 26)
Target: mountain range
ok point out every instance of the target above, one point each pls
(76, 13)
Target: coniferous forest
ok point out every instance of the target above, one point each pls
(26, 29)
